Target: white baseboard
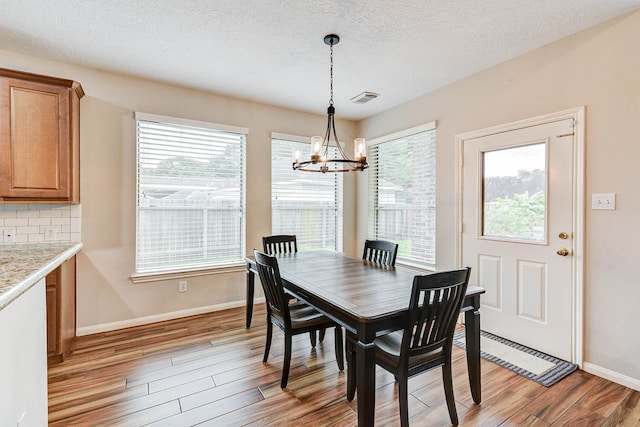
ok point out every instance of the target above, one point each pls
(611, 375)
(106, 327)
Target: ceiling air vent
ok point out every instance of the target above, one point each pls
(364, 97)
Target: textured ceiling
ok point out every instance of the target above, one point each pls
(272, 51)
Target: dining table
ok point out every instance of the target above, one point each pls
(368, 300)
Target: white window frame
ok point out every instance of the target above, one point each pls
(427, 261)
(198, 265)
(302, 189)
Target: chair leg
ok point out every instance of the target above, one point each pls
(321, 333)
(351, 366)
(339, 347)
(312, 338)
(287, 360)
(267, 345)
(447, 381)
(403, 399)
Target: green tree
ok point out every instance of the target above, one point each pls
(221, 165)
(521, 216)
(496, 187)
(181, 166)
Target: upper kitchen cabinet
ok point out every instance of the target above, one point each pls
(39, 138)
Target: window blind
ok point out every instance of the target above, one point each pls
(402, 195)
(191, 196)
(308, 205)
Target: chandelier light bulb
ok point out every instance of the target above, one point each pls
(360, 150)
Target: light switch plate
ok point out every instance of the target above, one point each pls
(605, 201)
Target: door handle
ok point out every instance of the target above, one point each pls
(563, 251)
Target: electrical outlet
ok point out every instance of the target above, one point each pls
(50, 233)
(182, 286)
(8, 235)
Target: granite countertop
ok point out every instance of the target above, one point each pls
(22, 266)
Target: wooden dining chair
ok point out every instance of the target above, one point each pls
(280, 244)
(380, 252)
(287, 244)
(292, 318)
(426, 342)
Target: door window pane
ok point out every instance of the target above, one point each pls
(514, 196)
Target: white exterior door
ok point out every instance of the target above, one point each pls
(518, 229)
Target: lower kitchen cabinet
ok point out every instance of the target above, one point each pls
(61, 310)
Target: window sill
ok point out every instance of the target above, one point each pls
(423, 268)
(169, 275)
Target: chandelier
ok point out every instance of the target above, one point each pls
(320, 160)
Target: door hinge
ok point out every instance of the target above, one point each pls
(572, 124)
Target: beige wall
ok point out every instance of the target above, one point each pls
(599, 68)
(106, 297)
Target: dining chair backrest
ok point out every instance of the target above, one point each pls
(277, 302)
(380, 252)
(280, 244)
(435, 303)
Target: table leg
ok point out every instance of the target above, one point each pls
(472, 337)
(250, 291)
(366, 383)
(350, 341)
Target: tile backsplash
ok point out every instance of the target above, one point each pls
(39, 223)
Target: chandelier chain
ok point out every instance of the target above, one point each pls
(331, 82)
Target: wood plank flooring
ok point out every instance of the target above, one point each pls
(207, 370)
